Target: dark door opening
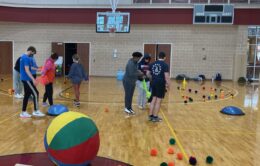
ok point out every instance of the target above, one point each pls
(70, 50)
(67, 50)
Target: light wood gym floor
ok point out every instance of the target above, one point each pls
(199, 128)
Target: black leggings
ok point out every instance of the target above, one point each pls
(48, 93)
(30, 89)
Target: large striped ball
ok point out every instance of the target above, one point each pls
(72, 139)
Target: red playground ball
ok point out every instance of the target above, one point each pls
(153, 152)
(179, 156)
(171, 164)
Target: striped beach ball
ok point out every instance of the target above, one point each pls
(72, 139)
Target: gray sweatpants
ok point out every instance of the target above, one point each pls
(129, 87)
(17, 83)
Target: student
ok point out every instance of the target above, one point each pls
(159, 71)
(77, 75)
(49, 70)
(29, 83)
(143, 66)
(129, 80)
(17, 83)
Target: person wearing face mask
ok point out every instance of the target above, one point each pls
(29, 83)
(129, 80)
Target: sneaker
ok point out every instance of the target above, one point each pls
(141, 107)
(132, 111)
(127, 111)
(38, 113)
(18, 96)
(76, 103)
(150, 118)
(21, 95)
(25, 114)
(156, 119)
(44, 104)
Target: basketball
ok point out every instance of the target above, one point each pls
(72, 139)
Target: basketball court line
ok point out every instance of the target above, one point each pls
(175, 137)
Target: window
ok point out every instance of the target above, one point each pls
(253, 53)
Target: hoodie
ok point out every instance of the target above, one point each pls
(49, 69)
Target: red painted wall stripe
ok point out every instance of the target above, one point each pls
(138, 16)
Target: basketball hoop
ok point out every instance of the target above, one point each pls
(112, 31)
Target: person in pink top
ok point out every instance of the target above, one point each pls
(48, 71)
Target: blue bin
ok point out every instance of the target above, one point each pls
(120, 75)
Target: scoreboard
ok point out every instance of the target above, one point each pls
(213, 14)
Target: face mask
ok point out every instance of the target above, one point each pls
(31, 55)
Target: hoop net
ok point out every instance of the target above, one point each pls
(112, 31)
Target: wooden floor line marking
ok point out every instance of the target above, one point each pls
(175, 137)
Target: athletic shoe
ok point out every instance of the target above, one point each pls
(141, 107)
(150, 118)
(127, 111)
(38, 113)
(18, 96)
(132, 111)
(44, 104)
(76, 103)
(22, 96)
(156, 119)
(25, 114)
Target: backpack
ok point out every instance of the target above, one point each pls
(218, 77)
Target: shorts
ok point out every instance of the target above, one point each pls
(158, 89)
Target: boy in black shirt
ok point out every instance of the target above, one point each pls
(160, 82)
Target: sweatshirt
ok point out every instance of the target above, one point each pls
(131, 72)
(49, 69)
(77, 73)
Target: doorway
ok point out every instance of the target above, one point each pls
(67, 50)
(6, 56)
(154, 49)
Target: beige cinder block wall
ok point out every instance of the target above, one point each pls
(196, 49)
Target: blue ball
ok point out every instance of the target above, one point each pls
(57, 109)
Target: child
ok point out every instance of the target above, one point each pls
(143, 66)
(160, 82)
(48, 70)
(129, 80)
(77, 75)
(29, 83)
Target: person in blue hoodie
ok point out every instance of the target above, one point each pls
(77, 74)
(143, 66)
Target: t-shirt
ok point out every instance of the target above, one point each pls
(25, 61)
(158, 68)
